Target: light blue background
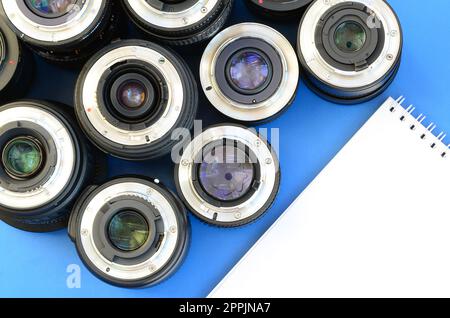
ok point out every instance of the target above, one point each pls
(312, 132)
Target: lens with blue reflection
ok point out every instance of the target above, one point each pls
(52, 7)
(249, 70)
(226, 173)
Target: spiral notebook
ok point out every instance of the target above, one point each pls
(374, 223)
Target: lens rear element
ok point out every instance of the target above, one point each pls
(22, 157)
(350, 37)
(249, 70)
(226, 173)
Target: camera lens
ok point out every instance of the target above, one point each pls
(130, 97)
(278, 9)
(130, 232)
(179, 22)
(250, 72)
(44, 165)
(16, 65)
(228, 176)
(356, 49)
(63, 31)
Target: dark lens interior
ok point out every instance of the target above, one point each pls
(132, 94)
(128, 231)
(22, 157)
(51, 7)
(350, 36)
(249, 70)
(226, 173)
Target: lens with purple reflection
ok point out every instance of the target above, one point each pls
(249, 70)
(226, 173)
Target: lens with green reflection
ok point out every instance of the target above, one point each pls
(350, 37)
(128, 231)
(22, 157)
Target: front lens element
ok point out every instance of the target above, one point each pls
(132, 94)
(350, 37)
(22, 157)
(249, 70)
(128, 231)
(52, 7)
(226, 173)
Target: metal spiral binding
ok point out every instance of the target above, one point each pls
(419, 122)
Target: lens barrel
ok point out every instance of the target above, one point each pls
(66, 32)
(278, 9)
(130, 232)
(45, 165)
(250, 72)
(16, 65)
(179, 22)
(131, 96)
(356, 49)
(228, 176)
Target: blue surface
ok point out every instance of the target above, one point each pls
(312, 132)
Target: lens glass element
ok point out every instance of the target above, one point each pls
(350, 37)
(52, 7)
(22, 157)
(128, 231)
(132, 94)
(249, 70)
(226, 173)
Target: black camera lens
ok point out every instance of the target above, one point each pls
(131, 96)
(250, 72)
(228, 176)
(278, 9)
(179, 22)
(130, 232)
(353, 52)
(45, 165)
(16, 65)
(63, 31)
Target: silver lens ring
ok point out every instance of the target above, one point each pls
(171, 244)
(77, 21)
(65, 162)
(269, 106)
(351, 83)
(234, 213)
(170, 19)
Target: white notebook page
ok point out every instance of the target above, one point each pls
(374, 223)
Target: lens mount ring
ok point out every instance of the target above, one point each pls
(150, 270)
(257, 111)
(313, 62)
(279, 9)
(159, 129)
(240, 212)
(175, 16)
(78, 21)
(63, 169)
